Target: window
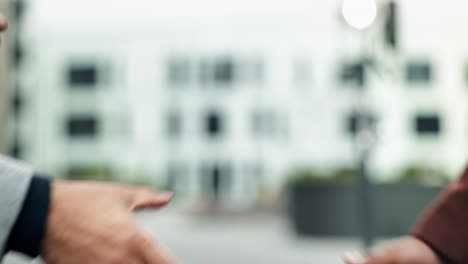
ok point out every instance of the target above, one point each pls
(263, 123)
(82, 126)
(250, 71)
(82, 76)
(179, 71)
(356, 121)
(353, 74)
(214, 124)
(224, 71)
(176, 171)
(219, 72)
(174, 125)
(17, 102)
(205, 70)
(427, 124)
(215, 176)
(16, 149)
(18, 8)
(418, 73)
(18, 52)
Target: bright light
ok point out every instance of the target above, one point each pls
(359, 14)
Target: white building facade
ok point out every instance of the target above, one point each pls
(219, 96)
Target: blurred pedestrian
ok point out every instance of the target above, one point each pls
(74, 222)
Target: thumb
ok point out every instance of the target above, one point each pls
(3, 23)
(149, 198)
(357, 258)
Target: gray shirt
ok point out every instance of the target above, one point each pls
(15, 178)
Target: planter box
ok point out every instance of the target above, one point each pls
(331, 209)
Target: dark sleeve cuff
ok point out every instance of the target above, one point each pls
(442, 257)
(29, 228)
(443, 226)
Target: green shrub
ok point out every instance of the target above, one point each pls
(304, 176)
(95, 172)
(308, 175)
(344, 175)
(100, 172)
(420, 174)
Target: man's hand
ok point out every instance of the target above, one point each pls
(91, 222)
(407, 250)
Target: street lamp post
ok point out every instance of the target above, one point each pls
(360, 15)
(364, 140)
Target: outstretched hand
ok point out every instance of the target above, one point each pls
(407, 250)
(3, 25)
(91, 222)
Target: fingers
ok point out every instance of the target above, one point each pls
(146, 197)
(355, 258)
(360, 258)
(3, 23)
(154, 253)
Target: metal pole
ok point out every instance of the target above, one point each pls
(364, 141)
(364, 198)
(366, 137)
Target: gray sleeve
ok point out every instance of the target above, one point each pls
(15, 178)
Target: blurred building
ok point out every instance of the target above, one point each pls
(228, 96)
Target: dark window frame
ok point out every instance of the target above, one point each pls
(224, 71)
(216, 177)
(352, 126)
(179, 71)
(427, 124)
(82, 127)
(83, 75)
(214, 124)
(174, 124)
(419, 72)
(353, 74)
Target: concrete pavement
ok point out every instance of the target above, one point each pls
(230, 238)
(256, 238)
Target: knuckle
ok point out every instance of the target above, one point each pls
(134, 239)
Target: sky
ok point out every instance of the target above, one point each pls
(144, 11)
(444, 20)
